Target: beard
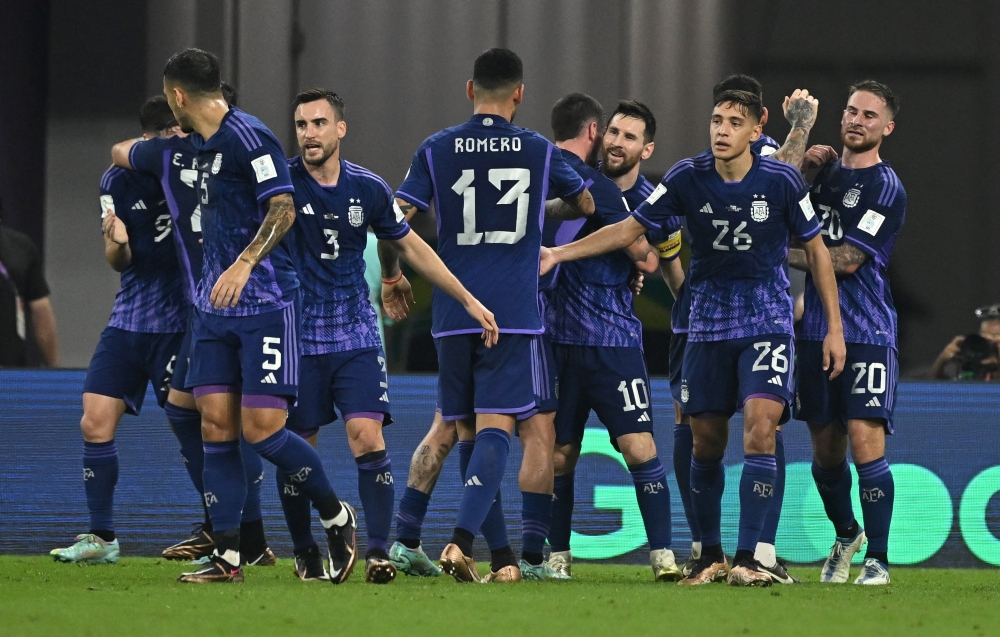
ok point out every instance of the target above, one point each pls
(327, 153)
(627, 164)
(862, 146)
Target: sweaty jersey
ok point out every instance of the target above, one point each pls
(489, 181)
(328, 243)
(151, 298)
(739, 242)
(173, 162)
(864, 207)
(240, 168)
(591, 303)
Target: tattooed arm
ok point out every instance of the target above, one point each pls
(277, 222)
(846, 259)
(800, 111)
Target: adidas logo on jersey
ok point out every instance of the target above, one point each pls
(707, 209)
(385, 397)
(874, 402)
(269, 379)
(307, 209)
(473, 482)
(139, 205)
(645, 417)
(776, 381)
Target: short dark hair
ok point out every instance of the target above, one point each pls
(155, 115)
(571, 114)
(229, 93)
(316, 94)
(638, 110)
(195, 71)
(738, 82)
(879, 89)
(744, 101)
(497, 69)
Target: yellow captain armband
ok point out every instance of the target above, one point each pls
(671, 247)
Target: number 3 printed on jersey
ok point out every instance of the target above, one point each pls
(516, 195)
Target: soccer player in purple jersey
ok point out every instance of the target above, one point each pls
(142, 337)
(174, 163)
(597, 343)
(489, 180)
(342, 360)
(741, 209)
(861, 204)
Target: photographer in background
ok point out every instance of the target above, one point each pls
(24, 303)
(973, 356)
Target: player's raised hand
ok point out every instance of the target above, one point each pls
(834, 353)
(227, 290)
(546, 261)
(397, 298)
(817, 156)
(479, 312)
(800, 109)
(114, 229)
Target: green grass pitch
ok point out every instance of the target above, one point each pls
(140, 597)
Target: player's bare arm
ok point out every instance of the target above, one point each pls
(607, 239)
(673, 274)
(279, 219)
(800, 110)
(834, 348)
(566, 209)
(397, 294)
(582, 203)
(424, 260)
(120, 152)
(846, 259)
(116, 248)
(645, 256)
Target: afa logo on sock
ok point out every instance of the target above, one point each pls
(384, 478)
(290, 489)
(873, 494)
(301, 475)
(653, 487)
(87, 474)
(210, 499)
(763, 489)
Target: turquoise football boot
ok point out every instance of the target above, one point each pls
(89, 549)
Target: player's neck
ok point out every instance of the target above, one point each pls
(504, 110)
(626, 181)
(579, 146)
(735, 169)
(866, 159)
(207, 120)
(327, 173)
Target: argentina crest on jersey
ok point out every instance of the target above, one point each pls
(852, 197)
(355, 214)
(758, 210)
(217, 164)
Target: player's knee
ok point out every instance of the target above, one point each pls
(96, 429)
(365, 438)
(442, 432)
(564, 458)
(637, 448)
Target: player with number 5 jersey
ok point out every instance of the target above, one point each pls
(861, 204)
(489, 181)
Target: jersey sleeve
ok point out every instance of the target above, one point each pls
(663, 204)
(563, 180)
(387, 220)
(418, 185)
(35, 286)
(802, 220)
(267, 165)
(147, 156)
(609, 204)
(882, 218)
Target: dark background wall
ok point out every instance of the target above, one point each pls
(401, 66)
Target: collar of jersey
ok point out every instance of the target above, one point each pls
(201, 142)
(479, 117)
(743, 184)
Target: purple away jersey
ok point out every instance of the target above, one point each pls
(591, 303)
(151, 298)
(739, 242)
(173, 162)
(866, 208)
(327, 243)
(240, 168)
(489, 181)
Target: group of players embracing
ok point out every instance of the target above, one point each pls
(253, 322)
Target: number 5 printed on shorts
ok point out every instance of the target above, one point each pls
(271, 365)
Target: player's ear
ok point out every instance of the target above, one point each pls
(647, 151)
(519, 94)
(891, 126)
(341, 129)
(763, 120)
(469, 91)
